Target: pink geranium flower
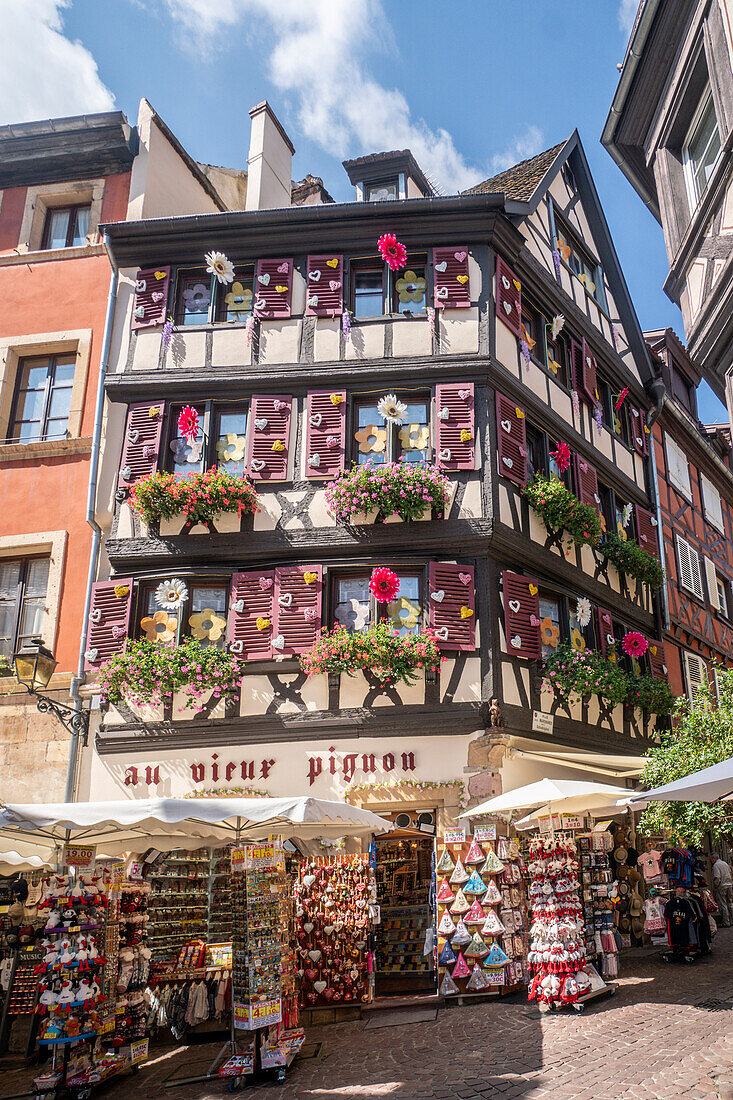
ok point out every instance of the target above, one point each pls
(634, 644)
(188, 424)
(384, 585)
(561, 456)
(393, 252)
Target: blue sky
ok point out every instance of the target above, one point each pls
(470, 88)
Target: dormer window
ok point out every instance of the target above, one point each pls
(387, 177)
(382, 192)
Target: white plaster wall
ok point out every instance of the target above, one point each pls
(327, 343)
(411, 338)
(366, 341)
(280, 341)
(230, 348)
(458, 330)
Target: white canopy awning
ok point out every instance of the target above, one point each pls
(558, 795)
(13, 863)
(708, 785)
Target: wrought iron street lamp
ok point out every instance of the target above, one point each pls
(34, 666)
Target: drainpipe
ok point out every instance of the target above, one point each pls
(78, 680)
(657, 392)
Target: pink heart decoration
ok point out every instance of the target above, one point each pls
(118, 632)
(464, 578)
(460, 256)
(328, 994)
(312, 998)
(283, 268)
(265, 583)
(534, 621)
(464, 394)
(311, 974)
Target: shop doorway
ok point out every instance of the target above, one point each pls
(404, 874)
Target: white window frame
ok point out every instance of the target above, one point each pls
(712, 505)
(677, 462)
(686, 552)
(693, 194)
(722, 603)
(696, 672)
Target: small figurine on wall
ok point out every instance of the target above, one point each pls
(495, 718)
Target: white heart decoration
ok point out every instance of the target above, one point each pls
(516, 641)
(237, 606)
(441, 292)
(505, 282)
(308, 880)
(334, 284)
(460, 256)
(507, 306)
(133, 435)
(507, 461)
(515, 605)
(316, 420)
(264, 279)
(441, 267)
(313, 300)
(96, 615)
(464, 394)
(444, 414)
(286, 599)
(507, 426)
(639, 442)
(653, 521)
(308, 927)
(314, 460)
(258, 464)
(444, 455)
(320, 986)
(634, 412)
(610, 639)
(261, 424)
(596, 498)
(236, 647)
(328, 929)
(315, 275)
(260, 303)
(315, 954)
(438, 596)
(442, 634)
(279, 642)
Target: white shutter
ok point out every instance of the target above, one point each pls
(711, 504)
(695, 673)
(712, 578)
(689, 564)
(677, 467)
(717, 673)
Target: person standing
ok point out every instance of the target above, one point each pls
(723, 889)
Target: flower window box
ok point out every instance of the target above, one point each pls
(395, 491)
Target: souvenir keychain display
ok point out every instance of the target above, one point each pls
(332, 907)
(482, 920)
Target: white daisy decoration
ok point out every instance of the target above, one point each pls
(171, 594)
(558, 323)
(217, 264)
(582, 611)
(391, 409)
(626, 518)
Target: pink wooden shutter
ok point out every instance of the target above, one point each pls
(508, 297)
(646, 531)
(638, 433)
(657, 658)
(151, 297)
(273, 288)
(454, 415)
(511, 434)
(141, 445)
(577, 357)
(605, 638)
(451, 283)
(269, 427)
(325, 434)
(590, 376)
(521, 615)
(297, 608)
(452, 616)
(252, 598)
(586, 482)
(109, 620)
(325, 290)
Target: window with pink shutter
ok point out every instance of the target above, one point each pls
(268, 443)
(605, 638)
(577, 355)
(325, 433)
(250, 628)
(297, 608)
(109, 620)
(657, 658)
(150, 304)
(452, 605)
(325, 290)
(454, 414)
(639, 438)
(511, 436)
(451, 283)
(508, 297)
(590, 376)
(141, 444)
(586, 482)
(273, 288)
(521, 615)
(646, 531)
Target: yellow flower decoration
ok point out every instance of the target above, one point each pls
(207, 624)
(403, 612)
(230, 448)
(549, 632)
(160, 627)
(414, 437)
(411, 287)
(577, 640)
(371, 439)
(239, 299)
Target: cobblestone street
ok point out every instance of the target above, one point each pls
(667, 1033)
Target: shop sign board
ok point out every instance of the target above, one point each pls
(494, 975)
(484, 832)
(238, 1066)
(454, 836)
(135, 869)
(254, 857)
(117, 877)
(546, 825)
(249, 1017)
(80, 856)
(138, 1052)
(572, 822)
(541, 722)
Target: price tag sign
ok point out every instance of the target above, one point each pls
(135, 869)
(249, 1017)
(572, 822)
(254, 857)
(454, 836)
(238, 1066)
(484, 832)
(547, 825)
(80, 856)
(138, 1051)
(117, 877)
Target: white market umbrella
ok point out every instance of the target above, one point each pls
(134, 825)
(13, 863)
(558, 795)
(707, 785)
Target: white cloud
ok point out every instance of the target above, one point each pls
(43, 74)
(519, 149)
(627, 14)
(317, 57)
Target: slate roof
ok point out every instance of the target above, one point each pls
(520, 181)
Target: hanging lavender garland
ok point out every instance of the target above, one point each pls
(524, 348)
(557, 262)
(576, 402)
(615, 334)
(249, 327)
(598, 417)
(166, 334)
(346, 324)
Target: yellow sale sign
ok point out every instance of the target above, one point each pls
(80, 856)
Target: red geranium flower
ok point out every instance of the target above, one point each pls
(621, 398)
(561, 456)
(384, 585)
(188, 424)
(635, 644)
(393, 253)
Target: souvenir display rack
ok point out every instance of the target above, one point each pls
(482, 915)
(179, 905)
(403, 879)
(597, 893)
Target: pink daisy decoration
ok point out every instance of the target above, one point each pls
(384, 585)
(393, 253)
(561, 456)
(634, 644)
(188, 424)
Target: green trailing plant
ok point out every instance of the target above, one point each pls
(559, 510)
(402, 488)
(380, 648)
(633, 560)
(200, 496)
(146, 673)
(651, 693)
(581, 673)
(702, 735)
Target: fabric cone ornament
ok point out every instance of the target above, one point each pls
(475, 852)
(477, 980)
(447, 955)
(462, 936)
(447, 986)
(475, 914)
(492, 895)
(445, 863)
(492, 864)
(496, 957)
(460, 875)
(475, 884)
(444, 891)
(446, 925)
(502, 848)
(461, 904)
(461, 969)
(476, 949)
(492, 925)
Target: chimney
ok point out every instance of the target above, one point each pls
(270, 161)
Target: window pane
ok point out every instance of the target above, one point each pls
(186, 458)
(370, 435)
(414, 435)
(352, 600)
(379, 192)
(58, 228)
(9, 596)
(33, 374)
(207, 615)
(31, 619)
(64, 373)
(230, 442)
(60, 403)
(704, 148)
(235, 300)
(36, 577)
(549, 625)
(192, 299)
(404, 612)
(30, 404)
(81, 227)
(368, 294)
(410, 291)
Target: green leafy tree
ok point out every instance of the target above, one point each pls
(702, 735)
